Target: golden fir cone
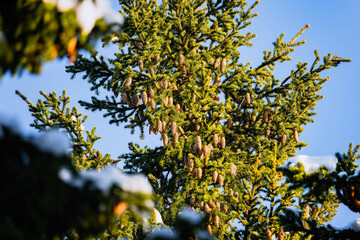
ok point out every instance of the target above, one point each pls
(155, 130)
(177, 107)
(175, 137)
(217, 80)
(170, 101)
(136, 100)
(159, 125)
(223, 65)
(268, 233)
(271, 118)
(246, 126)
(217, 63)
(281, 234)
(124, 98)
(199, 173)
(201, 205)
(165, 101)
(218, 206)
(247, 98)
(165, 139)
(151, 93)
(221, 180)
(216, 221)
(175, 87)
(205, 150)
(207, 209)
(192, 200)
(157, 57)
(152, 104)
(144, 97)
(151, 129)
(253, 117)
(267, 132)
(198, 142)
(296, 136)
(164, 83)
(183, 69)
(173, 128)
(215, 176)
(232, 170)
(210, 149)
(194, 173)
(197, 127)
(266, 116)
(225, 208)
(223, 142)
(283, 139)
(181, 60)
(128, 82)
(229, 123)
(209, 229)
(211, 203)
(215, 140)
(190, 164)
(163, 125)
(141, 65)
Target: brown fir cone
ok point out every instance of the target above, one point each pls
(190, 164)
(218, 206)
(183, 69)
(152, 104)
(266, 116)
(181, 60)
(165, 139)
(144, 97)
(229, 123)
(151, 93)
(225, 208)
(296, 136)
(163, 125)
(173, 127)
(223, 142)
(170, 101)
(205, 150)
(136, 100)
(210, 149)
(194, 173)
(268, 233)
(201, 205)
(223, 65)
(207, 209)
(247, 98)
(159, 126)
(215, 176)
(267, 132)
(157, 57)
(283, 139)
(141, 65)
(217, 63)
(192, 200)
(177, 107)
(253, 117)
(211, 203)
(216, 221)
(151, 129)
(197, 127)
(232, 170)
(175, 137)
(124, 99)
(199, 173)
(217, 80)
(128, 82)
(198, 142)
(221, 180)
(215, 140)
(164, 83)
(209, 229)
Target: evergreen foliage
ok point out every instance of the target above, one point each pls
(226, 126)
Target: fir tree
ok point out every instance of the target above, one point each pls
(226, 126)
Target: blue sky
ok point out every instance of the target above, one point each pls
(334, 27)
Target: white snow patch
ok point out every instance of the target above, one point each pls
(65, 174)
(86, 13)
(158, 218)
(64, 5)
(342, 174)
(191, 216)
(313, 163)
(108, 177)
(354, 225)
(162, 233)
(53, 142)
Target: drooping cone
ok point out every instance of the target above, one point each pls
(152, 104)
(170, 101)
(215, 176)
(151, 129)
(157, 57)
(216, 221)
(164, 83)
(181, 60)
(217, 63)
(232, 170)
(191, 165)
(215, 140)
(217, 80)
(163, 126)
(283, 139)
(175, 137)
(159, 126)
(266, 116)
(253, 117)
(173, 127)
(151, 93)
(207, 209)
(136, 100)
(201, 205)
(165, 139)
(209, 229)
(178, 108)
(296, 136)
(229, 123)
(141, 65)
(192, 200)
(211, 203)
(218, 206)
(199, 173)
(267, 132)
(124, 99)
(198, 142)
(223, 142)
(223, 65)
(128, 82)
(221, 180)
(247, 98)
(225, 208)
(144, 97)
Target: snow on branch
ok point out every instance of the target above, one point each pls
(312, 164)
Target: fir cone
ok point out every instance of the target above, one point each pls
(225, 208)
(152, 104)
(296, 136)
(247, 98)
(141, 65)
(151, 129)
(192, 200)
(124, 98)
(191, 165)
(144, 97)
(205, 150)
(281, 234)
(211, 203)
(177, 107)
(136, 100)
(253, 117)
(128, 82)
(266, 116)
(201, 205)
(170, 101)
(175, 87)
(217, 98)
(183, 69)
(165, 101)
(217, 80)
(199, 173)
(218, 206)
(229, 123)
(221, 180)
(139, 45)
(173, 128)
(215, 176)
(194, 173)
(210, 149)
(283, 139)
(223, 65)
(165, 139)
(175, 137)
(159, 126)
(307, 211)
(151, 93)
(267, 132)
(197, 127)
(198, 142)
(155, 130)
(207, 209)
(215, 140)
(217, 63)
(232, 170)
(268, 233)
(163, 126)
(209, 229)
(223, 142)
(216, 221)
(157, 57)
(181, 60)
(164, 83)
